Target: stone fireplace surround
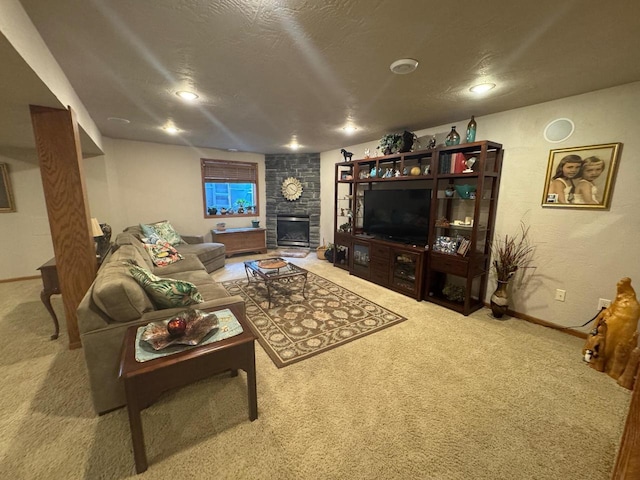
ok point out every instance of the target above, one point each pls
(306, 168)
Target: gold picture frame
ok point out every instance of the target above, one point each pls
(6, 194)
(581, 177)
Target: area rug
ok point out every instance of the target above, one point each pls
(295, 328)
(293, 253)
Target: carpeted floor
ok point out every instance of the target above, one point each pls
(438, 396)
(296, 328)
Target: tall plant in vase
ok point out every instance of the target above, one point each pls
(510, 254)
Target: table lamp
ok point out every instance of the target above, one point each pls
(96, 232)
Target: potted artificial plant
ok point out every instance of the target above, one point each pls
(510, 254)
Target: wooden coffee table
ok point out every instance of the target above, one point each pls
(145, 382)
(270, 270)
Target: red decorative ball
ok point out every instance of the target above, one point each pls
(177, 326)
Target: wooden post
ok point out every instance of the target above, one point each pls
(60, 156)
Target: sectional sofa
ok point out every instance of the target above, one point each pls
(115, 301)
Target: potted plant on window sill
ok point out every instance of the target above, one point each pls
(241, 204)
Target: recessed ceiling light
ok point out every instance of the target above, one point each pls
(349, 129)
(404, 66)
(293, 146)
(482, 87)
(190, 96)
(119, 120)
(171, 129)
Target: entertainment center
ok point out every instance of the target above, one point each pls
(421, 223)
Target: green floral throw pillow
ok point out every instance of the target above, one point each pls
(165, 230)
(166, 292)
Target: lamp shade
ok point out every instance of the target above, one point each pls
(96, 231)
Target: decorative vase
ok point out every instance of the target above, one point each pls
(255, 223)
(471, 130)
(500, 299)
(453, 138)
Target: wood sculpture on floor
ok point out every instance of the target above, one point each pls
(612, 346)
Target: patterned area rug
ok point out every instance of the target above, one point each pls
(295, 328)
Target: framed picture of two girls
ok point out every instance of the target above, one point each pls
(581, 177)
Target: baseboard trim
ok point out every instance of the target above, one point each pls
(19, 279)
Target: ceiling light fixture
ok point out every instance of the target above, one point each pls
(404, 66)
(349, 129)
(171, 129)
(294, 146)
(189, 96)
(482, 87)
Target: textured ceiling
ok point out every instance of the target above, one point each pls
(267, 70)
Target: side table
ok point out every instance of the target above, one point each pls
(50, 286)
(145, 382)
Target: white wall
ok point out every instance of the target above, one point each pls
(25, 238)
(138, 182)
(584, 252)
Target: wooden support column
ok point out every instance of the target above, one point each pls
(61, 168)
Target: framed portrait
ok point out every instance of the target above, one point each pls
(581, 177)
(6, 195)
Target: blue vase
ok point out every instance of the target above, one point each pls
(453, 138)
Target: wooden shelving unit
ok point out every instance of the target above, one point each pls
(436, 269)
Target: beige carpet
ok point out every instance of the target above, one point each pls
(308, 317)
(439, 396)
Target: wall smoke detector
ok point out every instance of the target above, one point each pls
(404, 66)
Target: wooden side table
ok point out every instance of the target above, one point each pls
(242, 240)
(50, 286)
(145, 382)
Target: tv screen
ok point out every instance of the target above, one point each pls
(401, 215)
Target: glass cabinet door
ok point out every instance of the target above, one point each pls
(361, 259)
(405, 266)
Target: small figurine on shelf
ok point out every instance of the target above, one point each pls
(367, 153)
(432, 143)
(347, 155)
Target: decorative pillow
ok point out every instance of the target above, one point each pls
(165, 230)
(150, 232)
(162, 254)
(166, 292)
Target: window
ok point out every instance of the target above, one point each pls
(229, 188)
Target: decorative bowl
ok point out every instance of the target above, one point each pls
(466, 190)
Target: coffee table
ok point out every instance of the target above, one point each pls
(145, 382)
(270, 270)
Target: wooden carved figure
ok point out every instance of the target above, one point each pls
(347, 155)
(621, 319)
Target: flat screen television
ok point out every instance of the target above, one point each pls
(398, 215)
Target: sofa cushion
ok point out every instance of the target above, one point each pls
(117, 293)
(205, 251)
(166, 292)
(162, 254)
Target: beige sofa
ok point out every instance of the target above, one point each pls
(115, 301)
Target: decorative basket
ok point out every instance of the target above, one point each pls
(320, 251)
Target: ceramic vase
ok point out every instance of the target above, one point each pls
(500, 299)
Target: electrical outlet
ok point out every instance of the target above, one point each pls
(603, 303)
(560, 295)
